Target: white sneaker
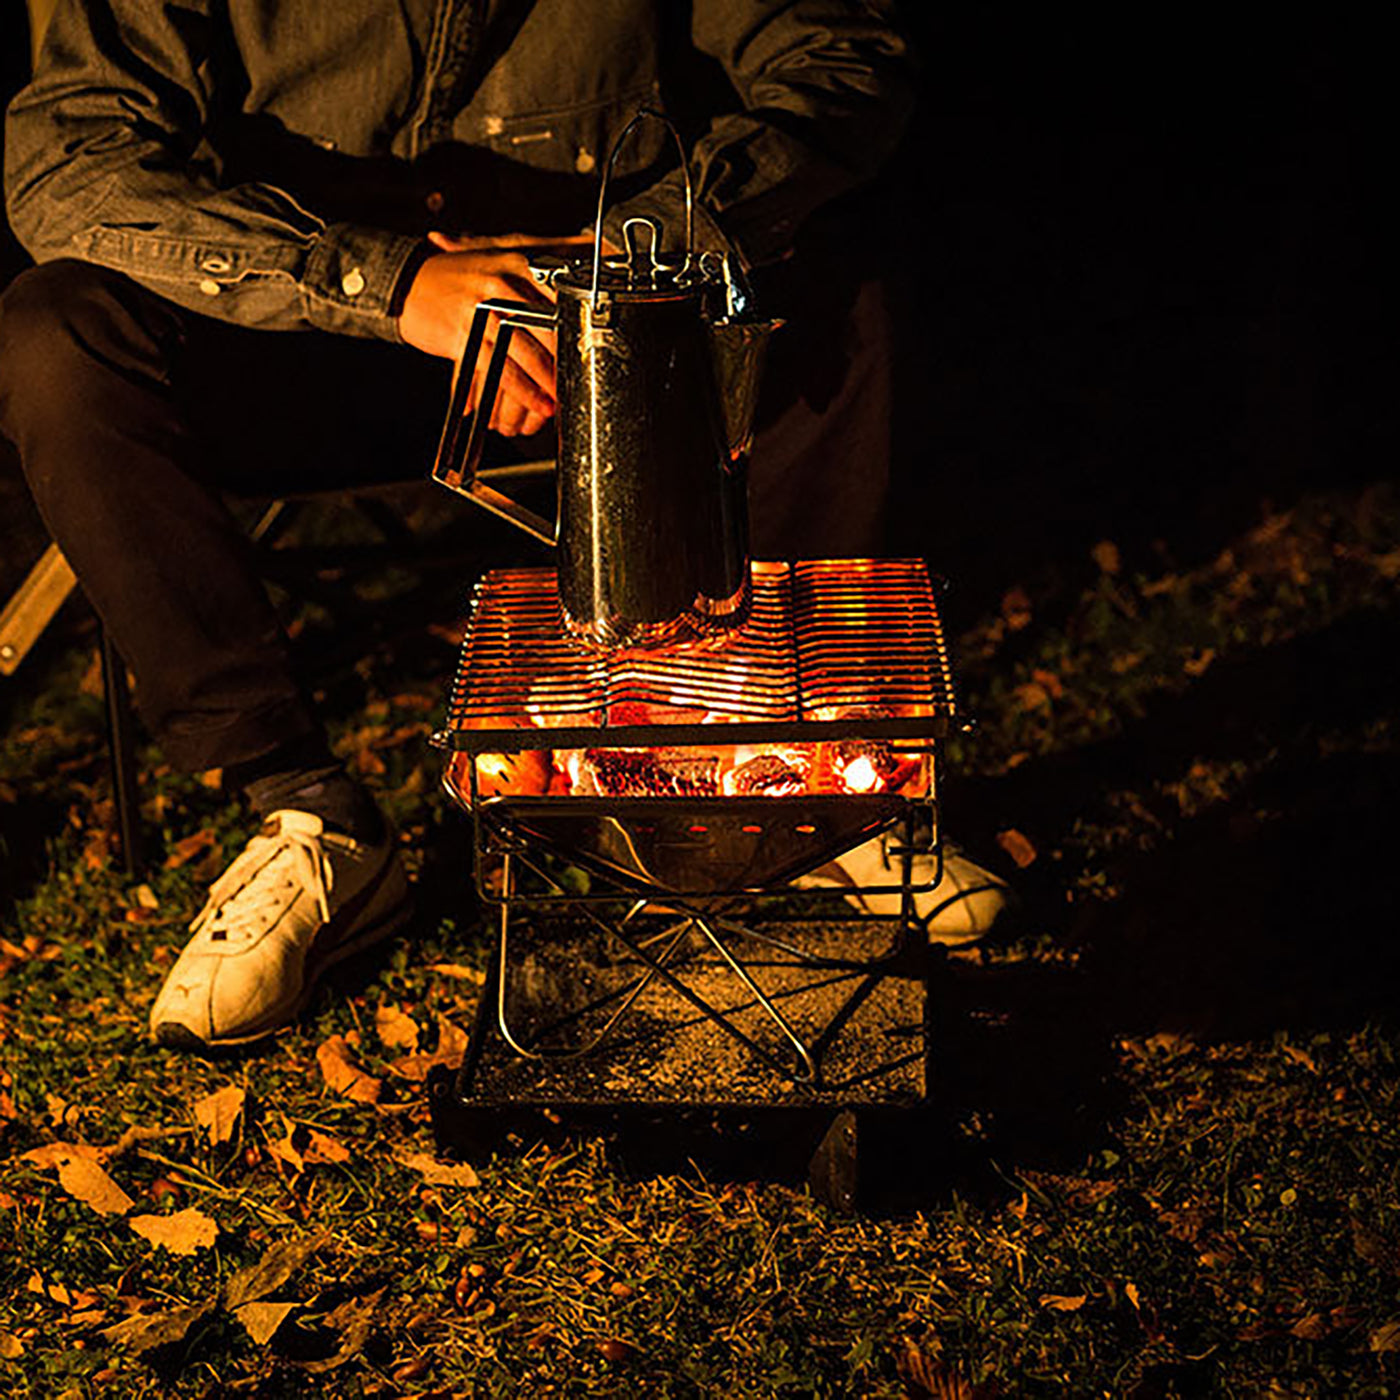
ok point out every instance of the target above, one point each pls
(298, 899)
(961, 908)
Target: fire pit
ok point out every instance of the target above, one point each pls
(656, 799)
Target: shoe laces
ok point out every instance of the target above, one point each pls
(263, 883)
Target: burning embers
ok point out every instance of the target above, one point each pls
(725, 770)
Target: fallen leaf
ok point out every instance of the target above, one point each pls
(615, 1349)
(322, 1149)
(451, 1046)
(218, 1113)
(1133, 1296)
(261, 1320)
(146, 1331)
(184, 1232)
(396, 1029)
(1017, 846)
(186, 849)
(1063, 1302)
(1031, 696)
(286, 1150)
(457, 970)
(1386, 1337)
(86, 1317)
(435, 1173)
(11, 1348)
(1312, 1328)
(1106, 556)
(81, 1177)
(1199, 664)
(343, 1075)
(144, 897)
(54, 1292)
(1299, 1056)
(52, 1154)
(1016, 608)
(278, 1263)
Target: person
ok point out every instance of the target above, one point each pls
(357, 177)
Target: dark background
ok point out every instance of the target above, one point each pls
(1135, 272)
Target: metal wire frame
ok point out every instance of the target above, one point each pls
(718, 931)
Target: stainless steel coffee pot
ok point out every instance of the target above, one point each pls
(658, 358)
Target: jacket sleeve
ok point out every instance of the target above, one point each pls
(105, 161)
(827, 87)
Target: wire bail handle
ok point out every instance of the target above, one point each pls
(645, 114)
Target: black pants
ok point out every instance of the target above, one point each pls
(132, 416)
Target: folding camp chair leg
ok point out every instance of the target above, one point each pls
(121, 749)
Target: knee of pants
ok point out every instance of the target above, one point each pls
(65, 328)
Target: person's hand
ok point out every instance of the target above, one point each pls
(437, 315)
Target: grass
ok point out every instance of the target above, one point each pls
(1168, 1164)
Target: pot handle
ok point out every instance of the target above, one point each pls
(459, 450)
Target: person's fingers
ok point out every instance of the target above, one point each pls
(533, 358)
(534, 423)
(517, 385)
(509, 416)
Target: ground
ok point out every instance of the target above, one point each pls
(1165, 1161)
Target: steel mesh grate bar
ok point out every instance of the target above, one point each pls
(824, 639)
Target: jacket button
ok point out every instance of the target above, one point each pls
(353, 283)
(584, 161)
(210, 287)
(435, 202)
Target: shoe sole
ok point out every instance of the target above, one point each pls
(173, 1036)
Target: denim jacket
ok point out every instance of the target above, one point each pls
(277, 163)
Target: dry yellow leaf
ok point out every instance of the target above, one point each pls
(322, 1148)
(218, 1113)
(51, 1154)
(186, 849)
(185, 1232)
(396, 1029)
(261, 1320)
(436, 1173)
(342, 1074)
(11, 1347)
(81, 1177)
(1063, 1302)
(87, 1182)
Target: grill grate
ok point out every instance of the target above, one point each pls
(826, 640)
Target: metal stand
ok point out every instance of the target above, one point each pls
(823, 1020)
